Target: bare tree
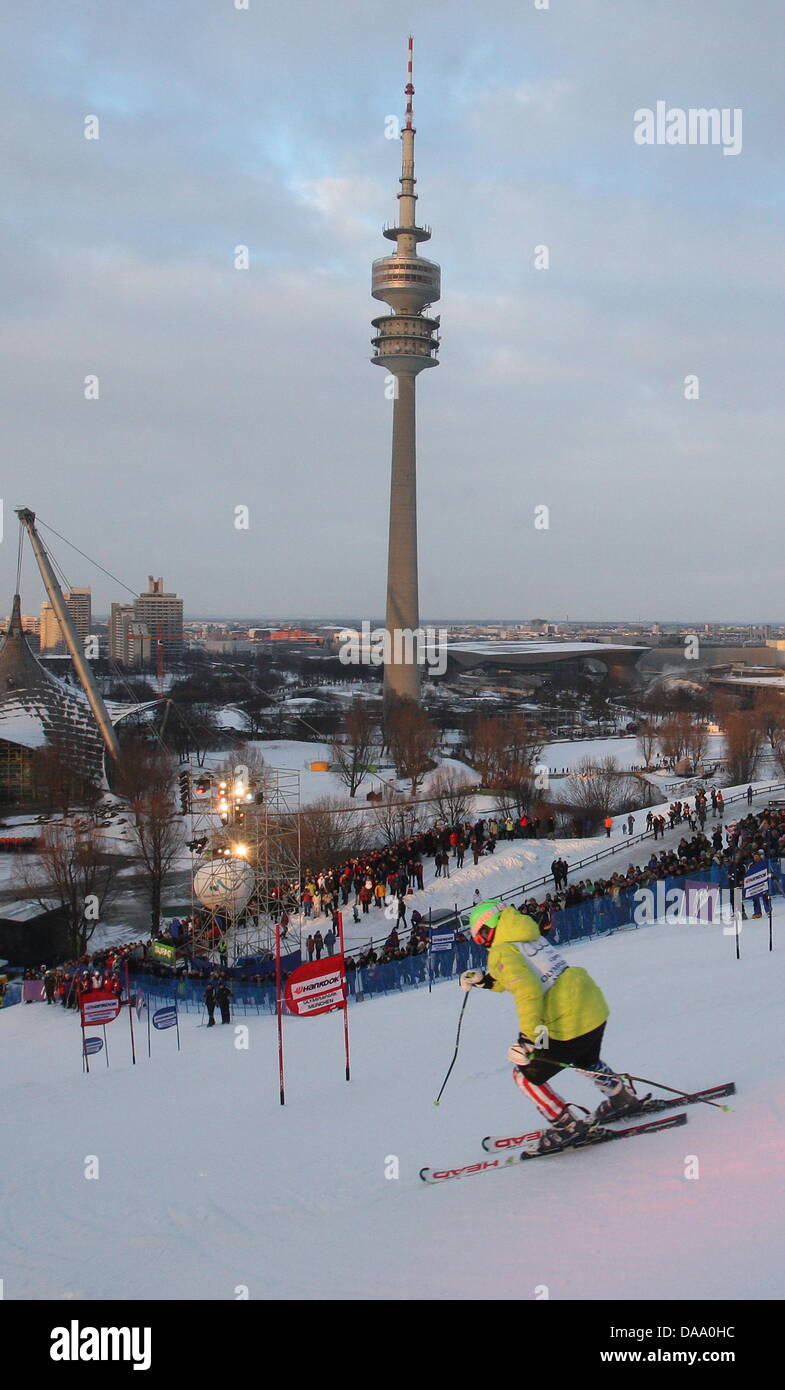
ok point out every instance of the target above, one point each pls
(516, 789)
(647, 741)
(412, 738)
(696, 740)
(597, 790)
(396, 816)
(331, 833)
(156, 828)
(485, 746)
(452, 793)
(504, 750)
(523, 741)
(75, 868)
(353, 752)
(142, 767)
(743, 739)
(672, 738)
(192, 729)
(770, 708)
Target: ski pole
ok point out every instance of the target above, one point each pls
(455, 1053)
(626, 1076)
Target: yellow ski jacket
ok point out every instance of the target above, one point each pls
(548, 993)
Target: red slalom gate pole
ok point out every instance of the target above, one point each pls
(278, 1009)
(339, 915)
(130, 1011)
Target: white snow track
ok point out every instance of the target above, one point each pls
(207, 1184)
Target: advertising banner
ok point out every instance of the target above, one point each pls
(317, 987)
(100, 1006)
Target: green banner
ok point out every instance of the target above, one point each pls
(163, 951)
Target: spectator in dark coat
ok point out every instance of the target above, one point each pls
(223, 996)
(209, 1003)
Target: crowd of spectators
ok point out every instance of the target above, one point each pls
(733, 848)
(67, 984)
(390, 873)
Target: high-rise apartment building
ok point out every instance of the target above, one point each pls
(162, 615)
(79, 605)
(129, 639)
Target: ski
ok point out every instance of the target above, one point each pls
(495, 1143)
(507, 1160)
(604, 1136)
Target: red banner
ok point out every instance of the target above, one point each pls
(317, 987)
(99, 1006)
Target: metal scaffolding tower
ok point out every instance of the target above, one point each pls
(257, 821)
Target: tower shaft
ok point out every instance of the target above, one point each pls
(406, 343)
(401, 676)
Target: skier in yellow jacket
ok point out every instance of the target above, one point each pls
(561, 1012)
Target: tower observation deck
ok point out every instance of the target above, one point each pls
(406, 342)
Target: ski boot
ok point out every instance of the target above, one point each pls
(614, 1107)
(566, 1131)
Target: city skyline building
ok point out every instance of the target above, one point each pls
(406, 343)
(79, 605)
(129, 639)
(161, 614)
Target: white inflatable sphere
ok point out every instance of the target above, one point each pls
(224, 883)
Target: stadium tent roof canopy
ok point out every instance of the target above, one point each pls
(38, 707)
(31, 695)
(540, 655)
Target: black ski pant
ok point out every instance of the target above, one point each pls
(578, 1052)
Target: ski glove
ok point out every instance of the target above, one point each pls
(521, 1053)
(472, 979)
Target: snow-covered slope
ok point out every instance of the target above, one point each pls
(207, 1184)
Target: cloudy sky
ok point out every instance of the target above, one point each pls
(562, 388)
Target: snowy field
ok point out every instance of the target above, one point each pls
(567, 754)
(206, 1184)
(295, 755)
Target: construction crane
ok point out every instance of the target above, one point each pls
(81, 665)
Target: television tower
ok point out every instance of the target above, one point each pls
(405, 344)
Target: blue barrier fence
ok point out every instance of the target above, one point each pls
(585, 921)
(595, 918)
(13, 993)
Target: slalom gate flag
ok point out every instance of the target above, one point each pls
(139, 1003)
(165, 1018)
(442, 939)
(100, 1006)
(92, 1045)
(317, 987)
(756, 882)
